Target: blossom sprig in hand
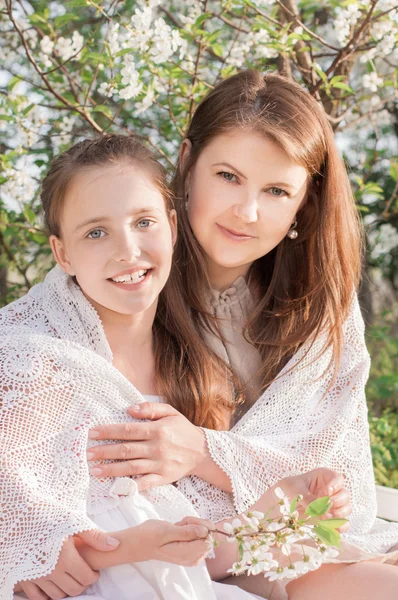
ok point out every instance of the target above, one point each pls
(304, 539)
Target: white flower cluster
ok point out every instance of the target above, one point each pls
(257, 44)
(22, 182)
(257, 535)
(345, 19)
(65, 47)
(384, 32)
(65, 132)
(372, 81)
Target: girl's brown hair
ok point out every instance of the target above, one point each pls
(192, 379)
(305, 283)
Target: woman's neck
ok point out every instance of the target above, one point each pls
(221, 278)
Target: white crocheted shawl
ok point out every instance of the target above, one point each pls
(298, 424)
(57, 381)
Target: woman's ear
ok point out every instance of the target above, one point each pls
(184, 153)
(173, 225)
(60, 255)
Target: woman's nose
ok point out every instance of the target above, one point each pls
(247, 209)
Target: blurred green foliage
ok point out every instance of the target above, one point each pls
(382, 396)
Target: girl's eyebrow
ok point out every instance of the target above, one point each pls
(95, 220)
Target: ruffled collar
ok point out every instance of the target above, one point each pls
(236, 302)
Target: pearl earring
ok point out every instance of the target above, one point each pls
(292, 233)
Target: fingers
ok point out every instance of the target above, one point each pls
(33, 592)
(100, 541)
(122, 431)
(341, 505)
(341, 498)
(335, 484)
(146, 482)
(52, 590)
(152, 410)
(197, 521)
(125, 468)
(69, 586)
(127, 451)
(191, 532)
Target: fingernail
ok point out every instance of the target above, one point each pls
(93, 433)
(111, 541)
(90, 455)
(96, 471)
(136, 407)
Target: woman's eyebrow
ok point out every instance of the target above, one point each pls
(234, 169)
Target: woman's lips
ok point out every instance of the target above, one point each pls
(234, 235)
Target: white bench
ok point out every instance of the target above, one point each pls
(387, 503)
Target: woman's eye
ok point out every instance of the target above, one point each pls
(145, 223)
(227, 176)
(277, 192)
(95, 234)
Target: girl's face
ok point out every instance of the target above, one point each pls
(244, 192)
(116, 238)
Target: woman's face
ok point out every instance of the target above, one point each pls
(243, 195)
(116, 238)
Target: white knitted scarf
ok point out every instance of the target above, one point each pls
(57, 381)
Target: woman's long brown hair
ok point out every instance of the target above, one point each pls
(306, 284)
(192, 379)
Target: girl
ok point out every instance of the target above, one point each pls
(270, 252)
(71, 353)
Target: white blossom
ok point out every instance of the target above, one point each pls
(67, 48)
(46, 45)
(130, 79)
(147, 101)
(372, 81)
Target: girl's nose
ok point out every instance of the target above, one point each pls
(247, 209)
(127, 249)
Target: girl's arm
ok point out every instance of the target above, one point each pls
(184, 544)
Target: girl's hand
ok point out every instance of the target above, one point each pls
(316, 484)
(72, 575)
(160, 451)
(185, 543)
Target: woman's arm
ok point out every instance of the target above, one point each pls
(160, 451)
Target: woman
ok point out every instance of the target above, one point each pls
(270, 232)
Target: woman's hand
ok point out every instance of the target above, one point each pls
(160, 451)
(186, 543)
(72, 575)
(316, 484)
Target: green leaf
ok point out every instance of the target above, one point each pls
(318, 507)
(293, 505)
(333, 523)
(27, 110)
(30, 215)
(77, 3)
(217, 49)
(330, 537)
(64, 19)
(342, 86)
(36, 19)
(202, 19)
(101, 108)
(394, 170)
(6, 118)
(13, 82)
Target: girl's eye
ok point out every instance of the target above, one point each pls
(277, 192)
(145, 223)
(227, 176)
(96, 234)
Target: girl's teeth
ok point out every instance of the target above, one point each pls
(130, 277)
